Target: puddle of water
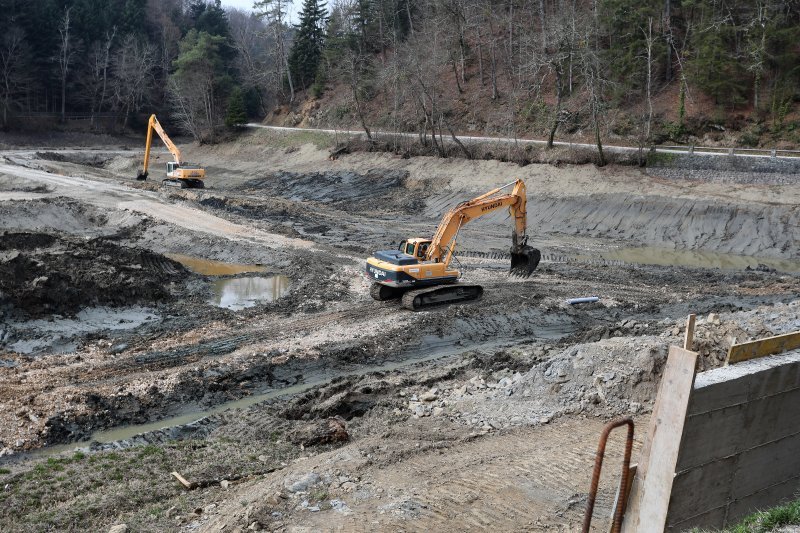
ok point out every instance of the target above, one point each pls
(239, 293)
(59, 331)
(649, 255)
(208, 267)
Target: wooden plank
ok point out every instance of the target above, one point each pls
(764, 347)
(650, 493)
(689, 337)
(631, 476)
(183, 481)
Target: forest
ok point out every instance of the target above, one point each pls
(436, 67)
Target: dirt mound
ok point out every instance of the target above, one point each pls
(43, 274)
(80, 158)
(336, 187)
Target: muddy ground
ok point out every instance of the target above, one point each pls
(322, 409)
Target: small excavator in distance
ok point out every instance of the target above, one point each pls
(179, 174)
(419, 271)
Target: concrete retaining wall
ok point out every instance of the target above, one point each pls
(740, 450)
(724, 168)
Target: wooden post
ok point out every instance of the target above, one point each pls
(689, 338)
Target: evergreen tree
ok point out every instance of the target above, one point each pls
(306, 52)
(237, 114)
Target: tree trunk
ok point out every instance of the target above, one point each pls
(649, 41)
(480, 58)
(455, 73)
(456, 140)
(557, 118)
(602, 162)
(668, 27)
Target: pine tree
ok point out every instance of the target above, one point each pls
(306, 52)
(237, 115)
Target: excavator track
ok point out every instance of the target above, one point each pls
(183, 183)
(382, 293)
(420, 299)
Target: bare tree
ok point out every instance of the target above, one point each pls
(134, 65)
(95, 83)
(649, 42)
(183, 110)
(12, 74)
(168, 35)
(249, 35)
(66, 52)
(274, 13)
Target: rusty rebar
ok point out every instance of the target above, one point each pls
(598, 465)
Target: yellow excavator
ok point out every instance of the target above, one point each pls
(419, 271)
(179, 174)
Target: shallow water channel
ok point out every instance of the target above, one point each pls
(651, 255)
(432, 348)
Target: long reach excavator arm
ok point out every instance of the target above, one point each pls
(178, 173)
(419, 271)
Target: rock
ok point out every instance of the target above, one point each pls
(119, 528)
(334, 429)
(255, 526)
(437, 411)
(713, 318)
(303, 483)
(545, 420)
(635, 407)
(118, 348)
(676, 330)
(429, 396)
(348, 486)
(225, 484)
(274, 499)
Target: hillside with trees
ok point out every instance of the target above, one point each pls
(644, 71)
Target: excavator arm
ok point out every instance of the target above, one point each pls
(154, 125)
(444, 241)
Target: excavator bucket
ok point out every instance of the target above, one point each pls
(141, 176)
(524, 260)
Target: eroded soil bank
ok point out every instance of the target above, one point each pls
(346, 413)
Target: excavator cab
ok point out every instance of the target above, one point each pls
(417, 248)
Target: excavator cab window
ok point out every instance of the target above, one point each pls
(422, 251)
(171, 166)
(402, 246)
(410, 248)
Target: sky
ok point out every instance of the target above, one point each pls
(241, 4)
(247, 5)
